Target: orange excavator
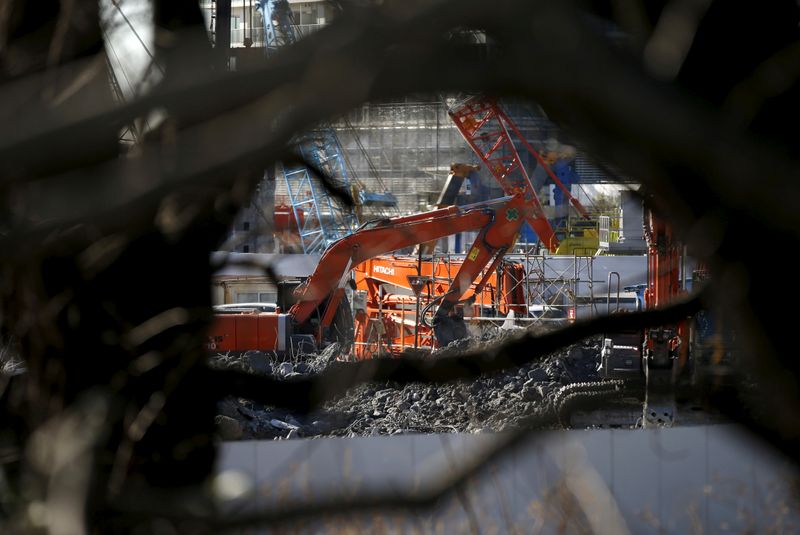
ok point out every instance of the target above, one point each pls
(665, 349)
(658, 353)
(320, 297)
(390, 288)
(385, 311)
(697, 350)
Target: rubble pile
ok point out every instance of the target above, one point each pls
(493, 402)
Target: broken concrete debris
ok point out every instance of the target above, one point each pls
(491, 403)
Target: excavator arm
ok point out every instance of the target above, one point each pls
(499, 221)
(490, 245)
(458, 173)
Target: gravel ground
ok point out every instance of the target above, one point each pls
(491, 403)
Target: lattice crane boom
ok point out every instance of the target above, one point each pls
(320, 219)
(490, 133)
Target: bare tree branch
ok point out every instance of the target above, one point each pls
(683, 123)
(719, 173)
(440, 486)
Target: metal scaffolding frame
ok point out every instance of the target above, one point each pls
(557, 282)
(558, 286)
(546, 282)
(279, 29)
(321, 221)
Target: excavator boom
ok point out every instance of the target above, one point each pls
(499, 221)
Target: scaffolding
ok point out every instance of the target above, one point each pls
(406, 147)
(279, 30)
(320, 219)
(410, 145)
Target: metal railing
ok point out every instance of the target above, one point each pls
(301, 30)
(256, 34)
(239, 35)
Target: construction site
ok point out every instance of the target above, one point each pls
(415, 226)
(513, 292)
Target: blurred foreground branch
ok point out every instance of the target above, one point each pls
(105, 259)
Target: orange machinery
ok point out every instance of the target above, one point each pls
(693, 350)
(665, 351)
(386, 319)
(319, 298)
(660, 353)
(662, 344)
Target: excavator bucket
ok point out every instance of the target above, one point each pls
(449, 328)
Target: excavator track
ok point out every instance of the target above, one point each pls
(578, 396)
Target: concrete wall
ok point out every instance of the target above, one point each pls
(710, 479)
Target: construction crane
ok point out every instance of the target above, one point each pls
(320, 219)
(668, 358)
(491, 134)
(319, 298)
(278, 24)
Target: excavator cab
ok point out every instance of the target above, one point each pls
(309, 335)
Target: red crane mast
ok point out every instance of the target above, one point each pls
(491, 133)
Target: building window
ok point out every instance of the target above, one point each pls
(246, 297)
(246, 225)
(309, 13)
(269, 297)
(245, 248)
